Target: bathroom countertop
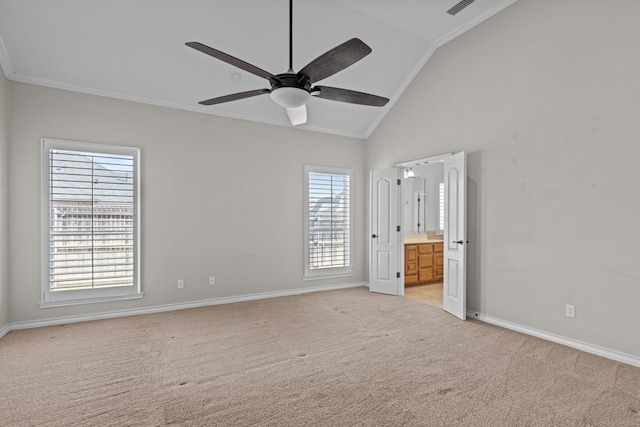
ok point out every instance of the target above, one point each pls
(419, 238)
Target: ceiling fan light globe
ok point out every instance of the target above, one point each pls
(297, 116)
(290, 97)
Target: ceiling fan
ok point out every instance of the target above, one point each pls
(292, 90)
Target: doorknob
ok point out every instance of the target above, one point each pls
(458, 242)
(373, 236)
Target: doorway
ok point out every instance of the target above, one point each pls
(423, 232)
(387, 249)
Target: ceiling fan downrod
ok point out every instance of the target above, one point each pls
(291, 36)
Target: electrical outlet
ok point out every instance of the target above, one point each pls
(212, 280)
(180, 284)
(570, 310)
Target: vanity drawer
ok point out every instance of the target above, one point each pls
(425, 248)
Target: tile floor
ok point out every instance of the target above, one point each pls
(429, 294)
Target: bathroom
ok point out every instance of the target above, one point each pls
(423, 198)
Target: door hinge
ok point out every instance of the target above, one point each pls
(398, 275)
(398, 228)
(399, 181)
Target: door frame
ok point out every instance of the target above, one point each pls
(439, 158)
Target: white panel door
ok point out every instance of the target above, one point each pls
(384, 270)
(455, 240)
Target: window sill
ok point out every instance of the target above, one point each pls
(65, 303)
(327, 276)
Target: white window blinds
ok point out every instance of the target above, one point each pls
(440, 207)
(328, 221)
(92, 220)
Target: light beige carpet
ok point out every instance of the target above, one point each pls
(340, 358)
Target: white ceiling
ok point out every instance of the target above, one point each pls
(135, 49)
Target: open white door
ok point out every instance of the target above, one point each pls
(384, 271)
(455, 240)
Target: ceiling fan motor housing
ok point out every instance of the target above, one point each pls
(290, 90)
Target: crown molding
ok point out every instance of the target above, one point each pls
(472, 23)
(159, 103)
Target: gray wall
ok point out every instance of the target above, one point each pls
(219, 197)
(544, 97)
(4, 191)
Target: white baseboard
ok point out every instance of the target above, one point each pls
(171, 307)
(5, 330)
(589, 348)
(569, 342)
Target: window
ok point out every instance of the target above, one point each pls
(90, 223)
(327, 222)
(440, 206)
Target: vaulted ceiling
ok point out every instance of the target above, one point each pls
(135, 50)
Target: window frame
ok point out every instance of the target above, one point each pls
(330, 272)
(441, 195)
(52, 298)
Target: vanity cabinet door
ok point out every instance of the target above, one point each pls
(410, 264)
(438, 261)
(425, 262)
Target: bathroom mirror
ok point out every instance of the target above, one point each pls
(415, 209)
(420, 194)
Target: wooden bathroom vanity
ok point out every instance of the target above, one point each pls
(423, 261)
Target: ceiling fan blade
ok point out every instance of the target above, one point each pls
(350, 96)
(337, 59)
(298, 115)
(234, 97)
(230, 60)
